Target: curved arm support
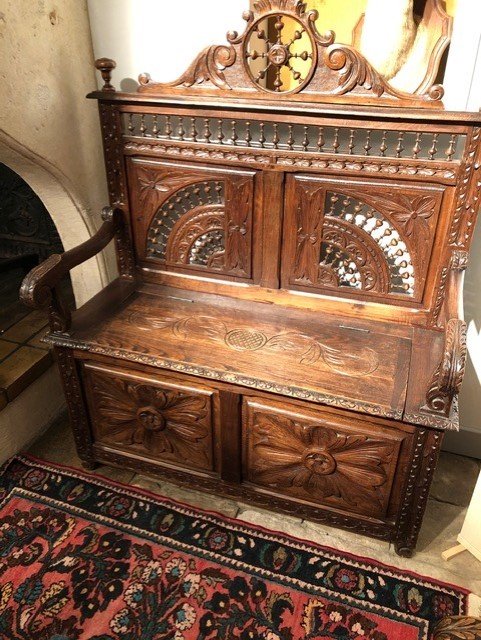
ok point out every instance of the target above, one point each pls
(449, 375)
(40, 287)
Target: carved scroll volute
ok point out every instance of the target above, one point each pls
(449, 375)
(267, 60)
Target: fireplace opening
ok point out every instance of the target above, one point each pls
(27, 237)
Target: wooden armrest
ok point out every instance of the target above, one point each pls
(40, 287)
(458, 628)
(449, 374)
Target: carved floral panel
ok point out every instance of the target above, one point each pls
(161, 422)
(193, 218)
(300, 456)
(365, 239)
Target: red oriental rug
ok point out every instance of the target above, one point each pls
(82, 558)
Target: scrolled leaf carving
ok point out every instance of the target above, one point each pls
(209, 66)
(458, 628)
(356, 71)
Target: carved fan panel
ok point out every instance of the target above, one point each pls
(166, 422)
(363, 239)
(192, 218)
(301, 455)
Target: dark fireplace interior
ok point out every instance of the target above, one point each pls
(27, 237)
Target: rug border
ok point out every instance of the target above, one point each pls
(288, 537)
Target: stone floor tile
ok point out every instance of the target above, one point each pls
(57, 445)
(21, 368)
(26, 327)
(455, 479)
(143, 482)
(6, 348)
(200, 500)
(124, 476)
(36, 341)
(269, 520)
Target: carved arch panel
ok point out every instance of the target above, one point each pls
(193, 218)
(359, 238)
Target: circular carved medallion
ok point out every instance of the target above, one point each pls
(320, 461)
(151, 419)
(280, 54)
(245, 339)
(277, 55)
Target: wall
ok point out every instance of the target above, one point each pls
(133, 34)
(26, 417)
(50, 135)
(49, 132)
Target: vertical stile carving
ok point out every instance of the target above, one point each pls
(451, 150)
(320, 140)
(234, 136)
(336, 144)
(383, 147)
(193, 130)
(76, 406)
(305, 141)
(275, 137)
(207, 131)
(248, 136)
(181, 129)
(434, 149)
(400, 145)
(168, 127)
(351, 141)
(262, 137)
(155, 127)
(417, 146)
(368, 145)
(220, 131)
(131, 126)
(143, 127)
(290, 139)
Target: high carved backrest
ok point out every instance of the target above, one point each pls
(286, 162)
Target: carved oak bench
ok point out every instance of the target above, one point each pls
(291, 234)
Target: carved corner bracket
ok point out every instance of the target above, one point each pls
(281, 53)
(449, 375)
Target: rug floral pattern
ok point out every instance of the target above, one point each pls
(84, 559)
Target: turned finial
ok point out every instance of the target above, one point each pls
(106, 66)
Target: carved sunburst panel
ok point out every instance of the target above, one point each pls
(362, 238)
(172, 425)
(362, 249)
(300, 456)
(188, 217)
(189, 226)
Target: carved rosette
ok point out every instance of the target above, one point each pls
(155, 421)
(319, 463)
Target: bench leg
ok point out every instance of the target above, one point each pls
(79, 420)
(425, 456)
